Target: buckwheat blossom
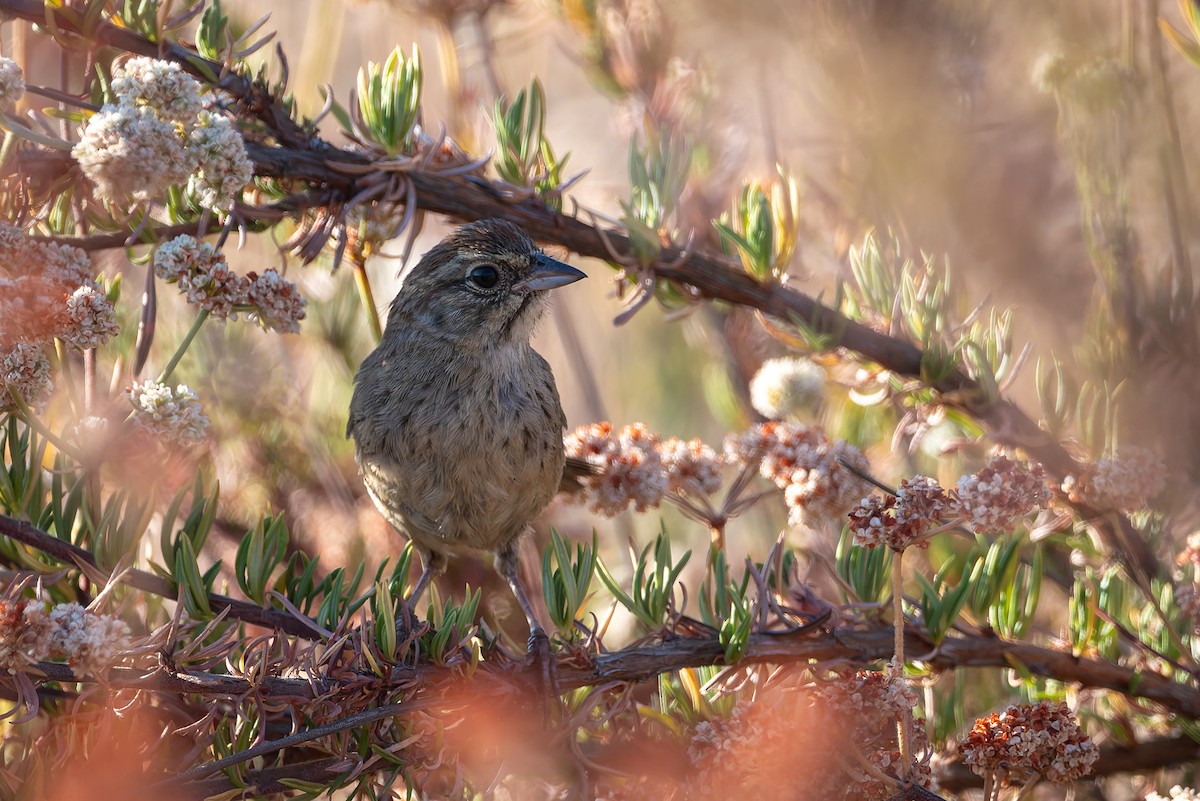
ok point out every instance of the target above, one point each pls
(824, 489)
(176, 260)
(803, 463)
(202, 275)
(1125, 481)
(218, 289)
(873, 523)
(25, 368)
(173, 414)
(1002, 493)
(922, 504)
(748, 447)
(24, 634)
(1176, 793)
(12, 84)
(1027, 740)
(787, 387)
(277, 303)
(88, 641)
(778, 448)
(222, 167)
(161, 85)
(67, 264)
(632, 470)
(899, 521)
(89, 320)
(693, 468)
(128, 151)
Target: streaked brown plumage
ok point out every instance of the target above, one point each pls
(456, 419)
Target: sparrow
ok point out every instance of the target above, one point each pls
(456, 419)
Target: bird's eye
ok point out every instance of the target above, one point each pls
(485, 276)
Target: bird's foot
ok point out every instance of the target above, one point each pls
(539, 656)
(408, 626)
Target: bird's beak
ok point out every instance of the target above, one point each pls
(549, 273)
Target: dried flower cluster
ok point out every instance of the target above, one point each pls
(904, 519)
(1002, 493)
(1190, 555)
(632, 471)
(637, 467)
(1027, 740)
(24, 634)
(802, 462)
(173, 414)
(787, 387)
(26, 369)
(1125, 481)
(87, 641)
(12, 84)
(693, 468)
(203, 275)
(991, 500)
(158, 134)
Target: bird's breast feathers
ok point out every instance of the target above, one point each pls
(474, 447)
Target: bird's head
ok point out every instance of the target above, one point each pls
(485, 282)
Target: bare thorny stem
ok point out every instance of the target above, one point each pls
(860, 643)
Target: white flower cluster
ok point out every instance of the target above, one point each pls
(160, 85)
(173, 414)
(25, 368)
(202, 274)
(91, 320)
(12, 83)
(1002, 493)
(994, 499)
(64, 263)
(276, 302)
(904, 519)
(158, 134)
(1127, 480)
(222, 168)
(130, 151)
(88, 641)
(1177, 793)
